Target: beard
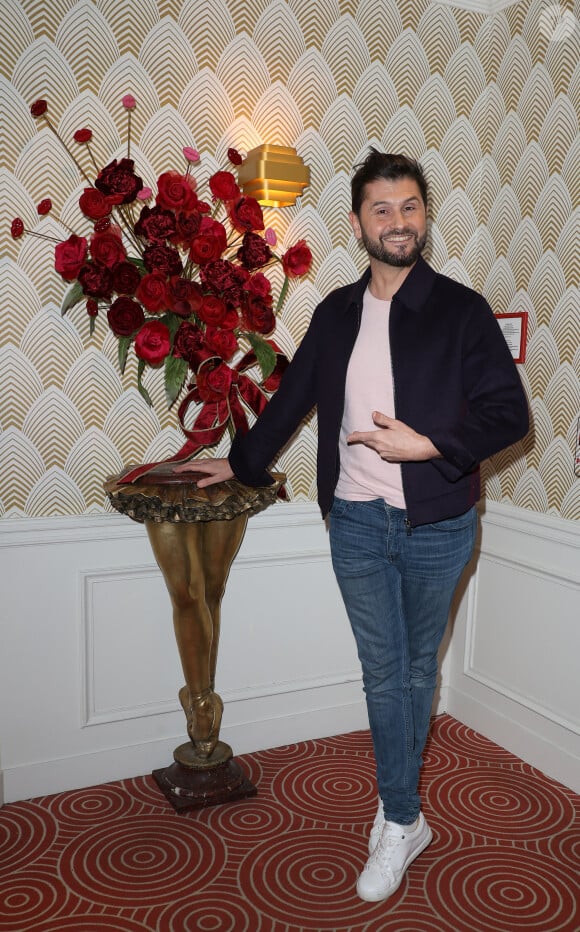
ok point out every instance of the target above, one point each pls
(399, 257)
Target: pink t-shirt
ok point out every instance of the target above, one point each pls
(364, 476)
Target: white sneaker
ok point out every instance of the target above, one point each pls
(377, 827)
(397, 848)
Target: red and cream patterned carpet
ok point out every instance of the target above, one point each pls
(117, 858)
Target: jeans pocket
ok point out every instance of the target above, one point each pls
(458, 523)
(339, 507)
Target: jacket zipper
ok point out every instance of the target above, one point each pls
(408, 525)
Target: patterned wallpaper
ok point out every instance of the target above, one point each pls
(488, 103)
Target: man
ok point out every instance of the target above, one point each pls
(414, 386)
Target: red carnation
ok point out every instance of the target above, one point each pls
(70, 256)
(156, 224)
(189, 344)
(254, 251)
(44, 207)
(297, 260)
(158, 257)
(153, 342)
(83, 135)
(95, 280)
(125, 316)
(39, 107)
(119, 179)
(184, 296)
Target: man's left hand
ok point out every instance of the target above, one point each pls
(395, 441)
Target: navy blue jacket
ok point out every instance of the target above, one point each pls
(454, 381)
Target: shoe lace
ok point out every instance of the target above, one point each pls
(381, 856)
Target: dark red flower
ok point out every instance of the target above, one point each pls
(92, 307)
(125, 316)
(94, 204)
(162, 258)
(153, 342)
(39, 107)
(156, 224)
(221, 276)
(224, 186)
(246, 214)
(102, 225)
(235, 157)
(126, 278)
(254, 251)
(176, 192)
(189, 344)
(297, 260)
(221, 342)
(184, 296)
(186, 227)
(70, 256)
(83, 135)
(152, 292)
(16, 228)
(119, 178)
(258, 284)
(213, 310)
(107, 247)
(258, 315)
(44, 207)
(213, 382)
(96, 280)
(205, 247)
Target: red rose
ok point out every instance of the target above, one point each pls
(176, 192)
(156, 224)
(258, 315)
(16, 228)
(69, 256)
(297, 260)
(94, 204)
(126, 278)
(152, 292)
(254, 251)
(213, 382)
(118, 178)
(258, 284)
(246, 214)
(224, 186)
(39, 107)
(95, 280)
(153, 342)
(186, 227)
(212, 310)
(125, 316)
(189, 344)
(107, 247)
(221, 342)
(204, 248)
(158, 257)
(184, 296)
(44, 207)
(83, 135)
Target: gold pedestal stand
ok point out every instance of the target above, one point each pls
(195, 535)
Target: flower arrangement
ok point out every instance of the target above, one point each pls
(181, 281)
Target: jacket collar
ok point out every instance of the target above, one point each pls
(413, 293)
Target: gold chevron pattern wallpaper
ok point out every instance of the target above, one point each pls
(487, 102)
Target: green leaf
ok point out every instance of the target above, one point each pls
(123, 349)
(283, 293)
(264, 354)
(142, 390)
(72, 297)
(138, 262)
(92, 325)
(175, 371)
(172, 322)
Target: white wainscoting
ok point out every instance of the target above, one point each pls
(514, 670)
(89, 670)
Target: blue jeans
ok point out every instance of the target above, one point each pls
(397, 584)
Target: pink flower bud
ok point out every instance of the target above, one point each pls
(192, 155)
(270, 236)
(144, 194)
(129, 102)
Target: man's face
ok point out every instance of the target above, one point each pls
(392, 224)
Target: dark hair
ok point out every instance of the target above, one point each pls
(384, 165)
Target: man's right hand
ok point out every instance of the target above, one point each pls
(215, 470)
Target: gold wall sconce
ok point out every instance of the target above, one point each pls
(274, 175)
